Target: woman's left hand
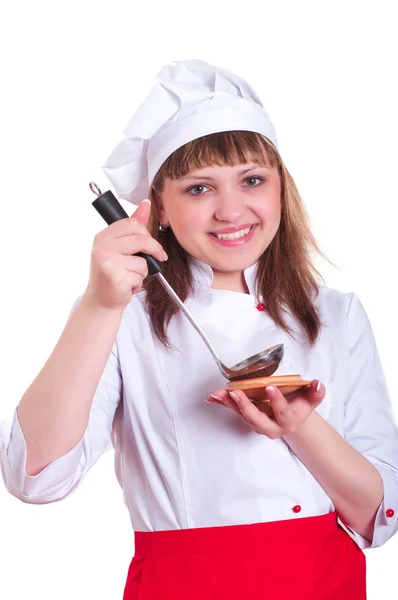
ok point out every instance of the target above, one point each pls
(288, 415)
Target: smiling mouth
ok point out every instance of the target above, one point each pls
(236, 235)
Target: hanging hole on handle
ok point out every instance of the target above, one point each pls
(95, 189)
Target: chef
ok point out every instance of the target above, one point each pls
(226, 501)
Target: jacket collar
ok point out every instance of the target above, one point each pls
(203, 276)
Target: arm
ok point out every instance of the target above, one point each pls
(352, 483)
(64, 419)
(54, 411)
(360, 471)
(62, 463)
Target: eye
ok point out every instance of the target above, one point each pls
(251, 181)
(196, 190)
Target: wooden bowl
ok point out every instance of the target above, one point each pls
(255, 388)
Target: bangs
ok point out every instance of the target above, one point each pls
(228, 148)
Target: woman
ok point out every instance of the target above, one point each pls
(225, 501)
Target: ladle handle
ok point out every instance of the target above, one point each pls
(111, 210)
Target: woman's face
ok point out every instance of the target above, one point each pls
(223, 216)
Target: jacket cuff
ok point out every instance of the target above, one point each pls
(386, 522)
(53, 483)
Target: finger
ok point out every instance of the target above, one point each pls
(129, 282)
(131, 244)
(317, 391)
(230, 403)
(137, 222)
(314, 393)
(222, 398)
(143, 212)
(259, 421)
(219, 394)
(134, 264)
(279, 404)
(120, 228)
(213, 400)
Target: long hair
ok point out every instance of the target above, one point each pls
(286, 278)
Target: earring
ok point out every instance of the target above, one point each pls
(162, 228)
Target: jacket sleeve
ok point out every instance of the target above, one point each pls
(61, 477)
(369, 424)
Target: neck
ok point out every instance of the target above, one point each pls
(234, 282)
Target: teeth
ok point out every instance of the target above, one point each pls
(233, 236)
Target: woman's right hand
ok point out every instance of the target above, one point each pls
(115, 275)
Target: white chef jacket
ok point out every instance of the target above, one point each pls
(184, 463)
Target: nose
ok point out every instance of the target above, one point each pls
(229, 207)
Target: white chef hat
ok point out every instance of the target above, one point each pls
(190, 100)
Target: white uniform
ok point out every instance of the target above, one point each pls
(184, 463)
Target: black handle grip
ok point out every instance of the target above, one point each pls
(111, 210)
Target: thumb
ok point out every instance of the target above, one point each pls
(143, 212)
(316, 392)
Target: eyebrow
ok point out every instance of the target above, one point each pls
(209, 178)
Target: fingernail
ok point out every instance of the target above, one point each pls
(270, 389)
(318, 386)
(146, 200)
(215, 397)
(165, 257)
(234, 396)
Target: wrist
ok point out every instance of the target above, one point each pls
(304, 428)
(93, 306)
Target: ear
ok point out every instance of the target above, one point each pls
(160, 212)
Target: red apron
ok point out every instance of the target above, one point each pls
(310, 558)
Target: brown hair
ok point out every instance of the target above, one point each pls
(286, 276)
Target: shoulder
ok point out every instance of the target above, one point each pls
(342, 309)
(330, 301)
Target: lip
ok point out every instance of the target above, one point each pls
(234, 229)
(234, 243)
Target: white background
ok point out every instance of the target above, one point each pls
(72, 74)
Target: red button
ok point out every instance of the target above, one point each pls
(261, 307)
(390, 512)
(297, 508)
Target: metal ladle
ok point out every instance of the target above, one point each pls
(263, 364)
